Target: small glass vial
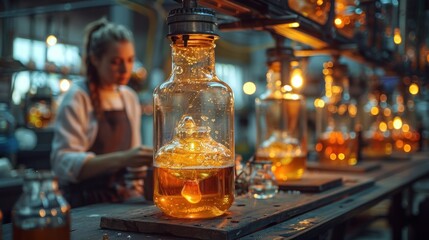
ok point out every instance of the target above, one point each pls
(262, 182)
(41, 212)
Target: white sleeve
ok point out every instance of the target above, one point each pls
(71, 141)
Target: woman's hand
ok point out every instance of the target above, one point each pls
(138, 156)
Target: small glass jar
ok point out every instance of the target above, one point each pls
(262, 182)
(41, 212)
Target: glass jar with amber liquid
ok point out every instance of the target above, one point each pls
(378, 118)
(41, 212)
(281, 120)
(335, 118)
(406, 138)
(193, 120)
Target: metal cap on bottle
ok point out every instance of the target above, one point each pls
(191, 19)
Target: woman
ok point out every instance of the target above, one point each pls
(97, 133)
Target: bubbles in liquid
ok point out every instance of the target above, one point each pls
(192, 156)
(287, 156)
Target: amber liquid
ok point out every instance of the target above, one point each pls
(194, 192)
(377, 146)
(406, 142)
(337, 149)
(287, 167)
(58, 233)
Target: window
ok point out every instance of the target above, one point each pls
(233, 76)
(62, 55)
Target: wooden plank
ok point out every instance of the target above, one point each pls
(311, 184)
(311, 224)
(362, 167)
(247, 215)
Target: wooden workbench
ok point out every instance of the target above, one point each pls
(295, 216)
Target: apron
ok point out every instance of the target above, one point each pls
(113, 135)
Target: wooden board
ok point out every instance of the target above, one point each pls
(312, 224)
(311, 184)
(362, 167)
(247, 215)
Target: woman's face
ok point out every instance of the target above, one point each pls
(114, 67)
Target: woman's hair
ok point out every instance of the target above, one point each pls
(98, 36)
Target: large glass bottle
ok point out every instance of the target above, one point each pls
(41, 212)
(193, 118)
(281, 120)
(335, 123)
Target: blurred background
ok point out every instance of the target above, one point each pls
(382, 42)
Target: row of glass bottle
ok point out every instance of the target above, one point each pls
(194, 164)
(281, 123)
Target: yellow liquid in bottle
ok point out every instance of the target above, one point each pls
(193, 174)
(288, 161)
(377, 145)
(337, 148)
(182, 198)
(406, 141)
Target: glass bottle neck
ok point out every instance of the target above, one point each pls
(193, 56)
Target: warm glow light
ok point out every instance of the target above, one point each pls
(249, 88)
(64, 85)
(42, 212)
(397, 123)
(338, 22)
(374, 111)
(387, 112)
(297, 79)
(397, 36)
(287, 88)
(292, 96)
(405, 128)
(407, 148)
(51, 40)
(319, 103)
(399, 143)
(414, 88)
(293, 25)
(337, 89)
(352, 110)
(382, 126)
